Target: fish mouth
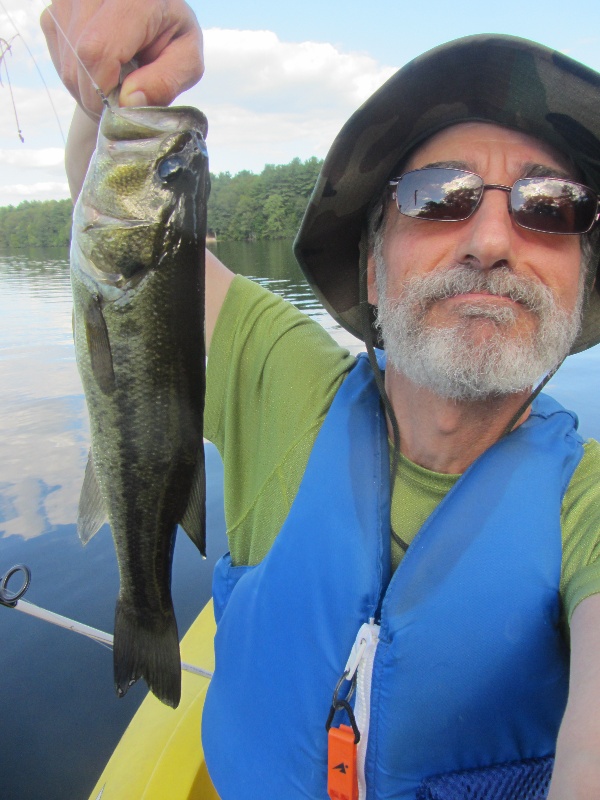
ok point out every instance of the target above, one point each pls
(150, 122)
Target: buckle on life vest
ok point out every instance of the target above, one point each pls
(342, 774)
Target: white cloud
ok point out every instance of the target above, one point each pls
(42, 187)
(240, 138)
(20, 18)
(267, 101)
(28, 54)
(257, 68)
(12, 194)
(33, 159)
(40, 115)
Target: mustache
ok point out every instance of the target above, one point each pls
(460, 279)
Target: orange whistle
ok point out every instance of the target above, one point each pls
(342, 777)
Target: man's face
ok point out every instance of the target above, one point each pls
(490, 252)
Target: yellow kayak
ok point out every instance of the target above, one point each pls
(160, 754)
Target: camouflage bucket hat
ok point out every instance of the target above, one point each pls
(490, 78)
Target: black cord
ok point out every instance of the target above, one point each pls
(377, 372)
(523, 408)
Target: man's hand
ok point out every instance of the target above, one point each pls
(163, 36)
(577, 766)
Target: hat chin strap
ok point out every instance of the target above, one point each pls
(367, 331)
(523, 408)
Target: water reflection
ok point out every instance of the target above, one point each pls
(61, 718)
(44, 429)
(272, 264)
(43, 425)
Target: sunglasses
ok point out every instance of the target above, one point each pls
(548, 205)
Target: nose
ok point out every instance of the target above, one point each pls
(488, 239)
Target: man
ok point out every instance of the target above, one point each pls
(461, 199)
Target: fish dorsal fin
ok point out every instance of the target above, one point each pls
(99, 346)
(91, 514)
(193, 521)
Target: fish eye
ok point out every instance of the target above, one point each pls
(170, 168)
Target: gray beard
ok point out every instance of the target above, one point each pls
(447, 360)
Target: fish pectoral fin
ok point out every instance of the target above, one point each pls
(193, 521)
(98, 343)
(91, 514)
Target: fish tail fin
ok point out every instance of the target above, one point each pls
(148, 652)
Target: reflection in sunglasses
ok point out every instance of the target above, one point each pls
(547, 205)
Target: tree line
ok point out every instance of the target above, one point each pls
(245, 206)
(36, 224)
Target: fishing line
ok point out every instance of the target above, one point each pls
(7, 49)
(98, 90)
(11, 20)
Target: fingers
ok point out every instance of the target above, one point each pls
(159, 80)
(63, 23)
(163, 35)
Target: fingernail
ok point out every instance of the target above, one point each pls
(136, 98)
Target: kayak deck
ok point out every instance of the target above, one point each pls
(160, 754)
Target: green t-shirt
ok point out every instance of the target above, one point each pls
(272, 375)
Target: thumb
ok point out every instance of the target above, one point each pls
(135, 97)
(158, 82)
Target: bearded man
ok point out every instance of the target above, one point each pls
(429, 622)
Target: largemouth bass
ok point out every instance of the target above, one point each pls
(137, 272)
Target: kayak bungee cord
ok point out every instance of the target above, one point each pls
(12, 599)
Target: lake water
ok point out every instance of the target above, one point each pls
(60, 718)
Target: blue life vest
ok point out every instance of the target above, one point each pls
(470, 669)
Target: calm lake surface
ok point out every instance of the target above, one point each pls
(60, 718)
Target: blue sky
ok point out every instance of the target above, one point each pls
(281, 77)
(394, 32)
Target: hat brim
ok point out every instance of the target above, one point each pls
(501, 79)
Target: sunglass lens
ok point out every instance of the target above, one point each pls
(553, 205)
(439, 194)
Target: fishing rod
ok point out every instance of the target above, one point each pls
(12, 599)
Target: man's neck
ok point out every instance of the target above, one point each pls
(446, 435)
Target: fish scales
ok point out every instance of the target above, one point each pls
(137, 273)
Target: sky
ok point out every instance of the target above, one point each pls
(281, 77)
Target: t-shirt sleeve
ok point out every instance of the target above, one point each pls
(272, 374)
(581, 531)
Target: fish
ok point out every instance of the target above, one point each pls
(137, 277)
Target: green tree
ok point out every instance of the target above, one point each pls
(275, 223)
(36, 224)
(265, 206)
(242, 206)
